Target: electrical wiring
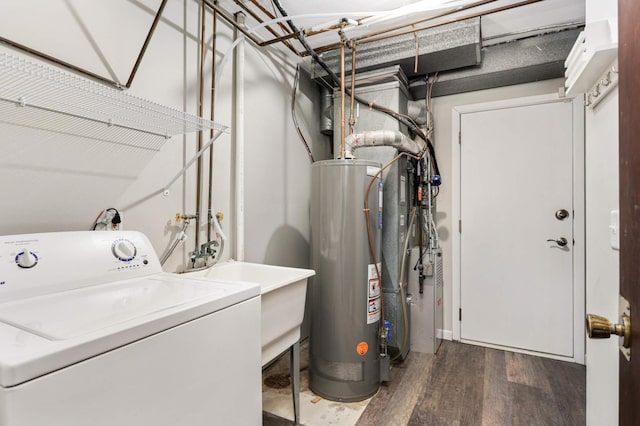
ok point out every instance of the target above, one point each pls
(293, 114)
(372, 251)
(108, 218)
(403, 292)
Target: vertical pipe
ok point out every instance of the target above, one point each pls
(352, 119)
(212, 116)
(239, 128)
(342, 102)
(201, 132)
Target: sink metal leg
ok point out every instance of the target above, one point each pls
(295, 380)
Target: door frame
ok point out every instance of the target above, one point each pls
(578, 217)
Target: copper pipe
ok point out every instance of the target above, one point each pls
(212, 117)
(450, 21)
(231, 21)
(363, 39)
(352, 119)
(307, 33)
(281, 38)
(342, 102)
(146, 43)
(421, 20)
(268, 28)
(243, 30)
(201, 132)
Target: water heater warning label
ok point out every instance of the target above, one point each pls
(373, 295)
(362, 348)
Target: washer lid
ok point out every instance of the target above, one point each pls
(45, 333)
(70, 314)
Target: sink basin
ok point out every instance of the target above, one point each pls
(283, 292)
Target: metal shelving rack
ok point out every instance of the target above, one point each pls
(49, 97)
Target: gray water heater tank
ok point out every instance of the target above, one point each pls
(345, 294)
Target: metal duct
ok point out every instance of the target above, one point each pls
(521, 61)
(326, 112)
(445, 47)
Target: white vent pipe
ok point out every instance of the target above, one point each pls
(392, 138)
(239, 160)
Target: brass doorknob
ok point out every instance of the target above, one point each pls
(601, 328)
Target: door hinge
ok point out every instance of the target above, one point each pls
(459, 314)
(460, 226)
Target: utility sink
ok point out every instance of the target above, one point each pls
(283, 292)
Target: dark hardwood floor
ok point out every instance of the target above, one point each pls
(472, 385)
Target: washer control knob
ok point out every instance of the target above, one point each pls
(26, 259)
(124, 250)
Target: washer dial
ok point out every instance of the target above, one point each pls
(124, 250)
(26, 259)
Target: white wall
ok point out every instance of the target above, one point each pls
(442, 107)
(105, 38)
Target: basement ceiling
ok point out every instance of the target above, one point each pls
(530, 19)
(471, 44)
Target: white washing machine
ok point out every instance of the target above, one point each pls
(92, 332)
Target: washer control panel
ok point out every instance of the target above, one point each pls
(124, 250)
(26, 259)
(34, 264)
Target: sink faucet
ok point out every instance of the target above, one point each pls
(207, 251)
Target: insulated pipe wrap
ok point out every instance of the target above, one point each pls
(392, 138)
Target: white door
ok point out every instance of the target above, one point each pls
(516, 256)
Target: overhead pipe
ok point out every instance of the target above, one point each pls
(231, 20)
(451, 21)
(369, 38)
(270, 15)
(428, 18)
(278, 37)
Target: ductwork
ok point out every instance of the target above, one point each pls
(417, 110)
(446, 47)
(522, 61)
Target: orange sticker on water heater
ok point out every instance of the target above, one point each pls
(362, 348)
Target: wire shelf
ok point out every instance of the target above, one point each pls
(30, 84)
